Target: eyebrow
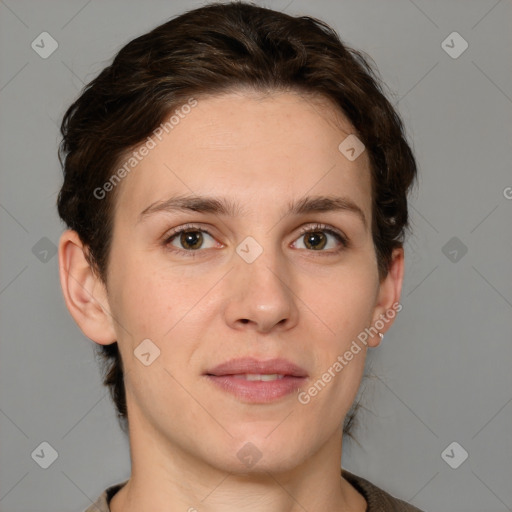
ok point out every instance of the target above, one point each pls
(223, 206)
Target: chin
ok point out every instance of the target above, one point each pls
(260, 454)
(251, 468)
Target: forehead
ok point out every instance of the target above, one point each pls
(262, 150)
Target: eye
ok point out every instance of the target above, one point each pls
(316, 238)
(189, 239)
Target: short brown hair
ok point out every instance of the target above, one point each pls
(207, 51)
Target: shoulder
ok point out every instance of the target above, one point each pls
(378, 500)
(102, 503)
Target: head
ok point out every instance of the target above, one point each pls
(238, 102)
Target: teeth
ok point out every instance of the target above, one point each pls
(265, 377)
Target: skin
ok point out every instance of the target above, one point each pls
(293, 301)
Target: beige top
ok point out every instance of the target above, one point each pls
(377, 499)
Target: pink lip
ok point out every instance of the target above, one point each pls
(251, 365)
(225, 377)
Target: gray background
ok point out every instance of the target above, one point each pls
(442, 373)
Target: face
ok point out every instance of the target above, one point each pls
(257, 273)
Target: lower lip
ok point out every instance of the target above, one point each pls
(257, 391)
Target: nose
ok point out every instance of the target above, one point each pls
(260, 295)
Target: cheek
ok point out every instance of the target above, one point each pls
(151, 305)
(344, 300)
(147, 296)
(344, 305)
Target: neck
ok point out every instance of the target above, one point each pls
(166, 478)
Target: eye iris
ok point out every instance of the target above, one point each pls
(191, 239)
(316, 240)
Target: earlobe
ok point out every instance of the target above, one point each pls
(84, 293)
(388, 298)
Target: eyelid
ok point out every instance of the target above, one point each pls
(339, 235)
(167, 238)
(310, 227)
(186, 227)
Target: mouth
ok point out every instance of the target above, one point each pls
(254, 381)
(259, 377)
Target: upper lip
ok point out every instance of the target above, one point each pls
(245, 365)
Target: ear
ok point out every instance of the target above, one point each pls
(388, 297)
(84, 293)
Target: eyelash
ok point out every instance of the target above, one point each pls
(310, 229)
(178, 231)
(326, 229)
